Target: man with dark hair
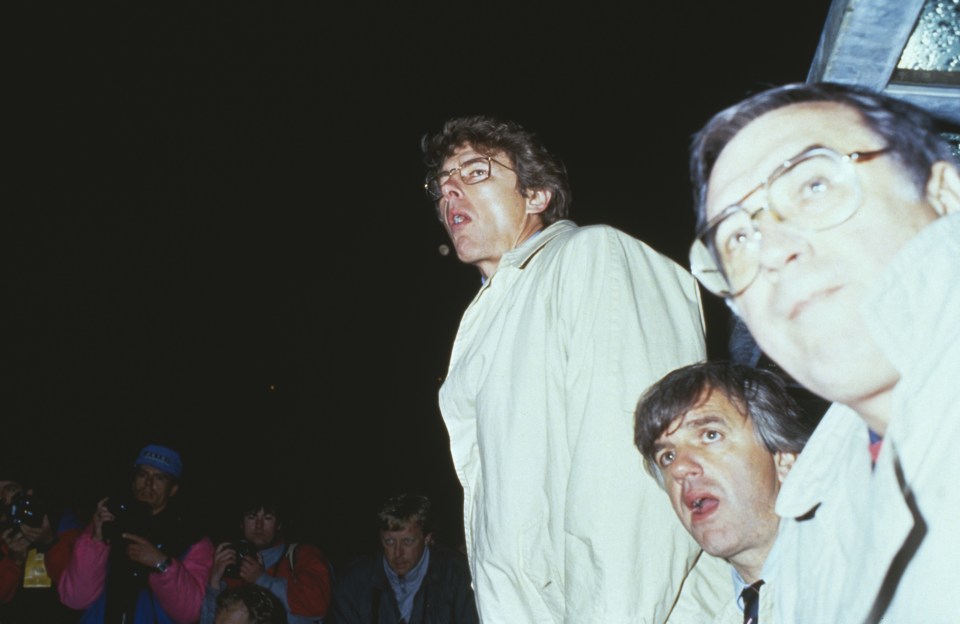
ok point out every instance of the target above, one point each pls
(140, 559)
(570, 325)
(721, 438)
(843, 263)
(414, 581)
(297, 574)
(249, 604)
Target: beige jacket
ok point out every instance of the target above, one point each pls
(562, 523)
(883, 545)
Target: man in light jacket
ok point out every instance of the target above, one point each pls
(569, 327)
(827, 219)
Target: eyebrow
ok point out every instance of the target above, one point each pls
(776, 170)
(700, 421)
(689, 423)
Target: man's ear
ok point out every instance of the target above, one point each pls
(784, 462)
(943, 189)
(538, 200)
(428, 539)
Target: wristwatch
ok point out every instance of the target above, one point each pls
(163, 565)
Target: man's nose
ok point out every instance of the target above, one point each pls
(452, 187)
(781, 244)
(685, 464)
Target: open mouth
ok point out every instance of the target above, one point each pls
(702, 505)
(456, 219)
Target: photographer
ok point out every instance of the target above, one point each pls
(32, 557)
(297, 574)
(139, 560)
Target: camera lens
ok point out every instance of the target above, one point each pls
(24, 509)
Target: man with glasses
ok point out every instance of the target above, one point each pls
(826, 221)
(569, 327)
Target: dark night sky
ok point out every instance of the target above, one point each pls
(214, 199)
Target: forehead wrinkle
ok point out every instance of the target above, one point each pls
(778, 135)
(480, 151)
(778, 169)
(704, 419)
(685, 422)
(458, 154)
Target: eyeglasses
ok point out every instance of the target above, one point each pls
(474, 171)
(816, 190)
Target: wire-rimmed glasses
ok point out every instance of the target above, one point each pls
(474, 171)
(816, 190)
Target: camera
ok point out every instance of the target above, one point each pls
(242, 548)
(130, 516)
(25, 508)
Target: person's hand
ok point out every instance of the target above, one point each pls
(223, 556)
(99, 517)
(17, 545)
(41, 535)
(251, 568)
(142, 551)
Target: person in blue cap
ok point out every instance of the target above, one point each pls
(139, 561)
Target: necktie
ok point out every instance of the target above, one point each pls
(751, 603)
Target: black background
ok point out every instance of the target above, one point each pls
(215, 234)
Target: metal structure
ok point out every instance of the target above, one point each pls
(909, 49)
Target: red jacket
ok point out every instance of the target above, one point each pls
(55, 559)
(305, 588)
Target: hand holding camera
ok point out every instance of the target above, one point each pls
(236, 560)
(117, 515)
(245, 562)
(100, 517)
(25, 509)
(25, 524)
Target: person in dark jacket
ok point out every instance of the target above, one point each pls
(414, 581)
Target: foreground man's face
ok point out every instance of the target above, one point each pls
(804, 308)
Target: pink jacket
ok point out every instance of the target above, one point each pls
(179, 590)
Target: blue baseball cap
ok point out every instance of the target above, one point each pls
(161, 458)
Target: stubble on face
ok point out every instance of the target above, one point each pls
(722, 482)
